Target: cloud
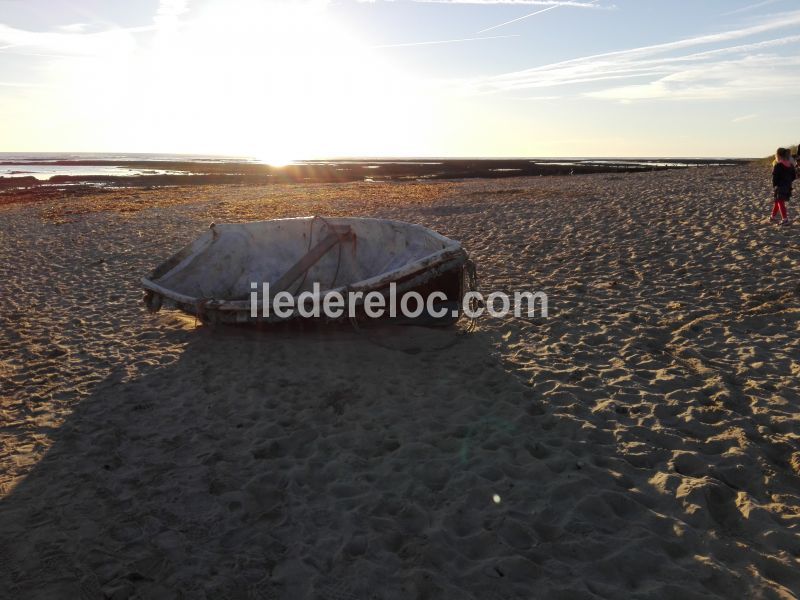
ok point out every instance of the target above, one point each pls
(751, 7)
(778, 22)
(112, 41)
(744, 118)
(733, 70)
(74, 40)
(742, 77)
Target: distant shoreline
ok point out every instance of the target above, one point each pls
(24, 172)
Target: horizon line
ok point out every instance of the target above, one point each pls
(389, 157)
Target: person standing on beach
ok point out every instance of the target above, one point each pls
(783, 174)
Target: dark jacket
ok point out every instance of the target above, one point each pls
(782, 178)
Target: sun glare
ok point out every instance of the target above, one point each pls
(278, 81)
(274, 160)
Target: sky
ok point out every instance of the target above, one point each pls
(287, 80)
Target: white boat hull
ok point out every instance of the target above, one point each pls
(212, 277)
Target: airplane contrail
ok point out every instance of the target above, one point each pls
(533, 14)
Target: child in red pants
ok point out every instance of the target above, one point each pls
(783, 174)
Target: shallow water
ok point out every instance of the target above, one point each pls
(46, 171)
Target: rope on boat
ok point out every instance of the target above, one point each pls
(310, 239)
(471, 280)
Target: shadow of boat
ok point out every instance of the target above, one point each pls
(258, 465)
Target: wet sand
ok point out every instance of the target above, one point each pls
(641, 442)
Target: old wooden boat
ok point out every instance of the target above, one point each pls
(215, 277)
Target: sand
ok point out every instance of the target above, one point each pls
(641, 442)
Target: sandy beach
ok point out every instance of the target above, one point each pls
(642, 441)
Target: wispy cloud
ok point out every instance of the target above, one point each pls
(733, 69)
(744, 118)
(111, 41)
(75, 39)
(742, 77)
(454, 41)
(751, 7)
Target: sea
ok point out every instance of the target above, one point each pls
(44, 165)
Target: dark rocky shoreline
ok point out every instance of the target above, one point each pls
(183, 173)
(347, 170)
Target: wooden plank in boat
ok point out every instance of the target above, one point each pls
(312, 257)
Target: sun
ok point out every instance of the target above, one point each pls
(274, 160)
(277, 81)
